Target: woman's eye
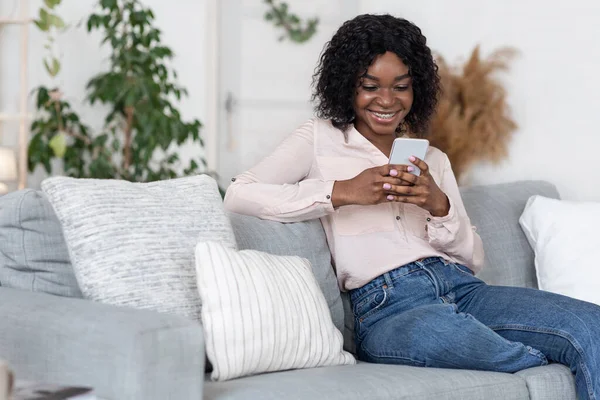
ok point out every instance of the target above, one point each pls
(401, 88)
(370, 88)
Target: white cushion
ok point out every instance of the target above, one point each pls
(262, 313)
(132, 244)
(565, 237)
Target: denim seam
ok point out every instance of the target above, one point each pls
(390, 355)
(412, 271)
(559, 333)
(363, 295)
(374, 309)
(433, 280)
(455, 266)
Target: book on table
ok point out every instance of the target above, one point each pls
(27, 390)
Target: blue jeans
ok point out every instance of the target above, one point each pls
(432, 313)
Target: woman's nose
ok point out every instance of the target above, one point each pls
(386, 98)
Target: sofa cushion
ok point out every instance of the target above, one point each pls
(303, 239)
(550, 382)
(132, 244)
(373, 382)
(495, 211)
(262, 313)
(564, 245)
(33, 252)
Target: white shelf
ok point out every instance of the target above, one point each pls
(14, 117)
(14, 21)
(22, 20)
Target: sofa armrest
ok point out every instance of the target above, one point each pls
(122, 352)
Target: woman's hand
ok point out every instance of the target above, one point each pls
(369, 187)
(393, 183)
(421, 191)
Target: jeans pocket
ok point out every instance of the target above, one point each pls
(370, 303)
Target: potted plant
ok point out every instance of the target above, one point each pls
(143, 124)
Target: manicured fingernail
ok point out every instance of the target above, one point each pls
(390, 197)
(412, 158)
(387, 186)
(393, 172)
(410, 169)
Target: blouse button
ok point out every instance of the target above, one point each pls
(328, 197)
(428, 219)
(398, 217)
(232, 179)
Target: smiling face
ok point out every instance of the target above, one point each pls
(383, 98)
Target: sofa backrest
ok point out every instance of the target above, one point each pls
(33, 251)
(495, 210)
(33, 254)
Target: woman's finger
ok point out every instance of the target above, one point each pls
(395, 170)
(390, 180)
(416, 200)
(408, 177)
(403, 190)
(421, 164)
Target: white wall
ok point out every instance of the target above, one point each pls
(553, 86)
(270, 80)
(183, 30)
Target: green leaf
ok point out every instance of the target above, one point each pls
(58, 144)
(52, 3)
(111, 4)
(101, 140)
(44, 17)
(34, 151)
(56, 21)
(42, 25)
(54, 69)
(42, 97)
(55, 66)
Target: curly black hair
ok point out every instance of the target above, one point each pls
(349, 53)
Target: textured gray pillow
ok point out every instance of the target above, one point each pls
(33, 253)
(132, 244)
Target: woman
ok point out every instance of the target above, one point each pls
(403, 245)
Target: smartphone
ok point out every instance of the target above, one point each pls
(403, 148)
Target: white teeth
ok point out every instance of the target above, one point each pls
(384, 116)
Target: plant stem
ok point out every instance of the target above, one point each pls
(127, 145)
(280, 17)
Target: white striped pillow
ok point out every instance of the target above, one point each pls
(263, 313)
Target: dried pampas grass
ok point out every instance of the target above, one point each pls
(472, 121)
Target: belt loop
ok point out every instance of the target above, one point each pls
(388, 280)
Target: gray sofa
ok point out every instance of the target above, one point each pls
(49, 333)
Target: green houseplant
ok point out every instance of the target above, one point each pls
(142, 125)
(295, 29)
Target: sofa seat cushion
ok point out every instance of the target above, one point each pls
(371, 381)
(550, 382)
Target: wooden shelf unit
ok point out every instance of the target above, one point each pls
(22, 116)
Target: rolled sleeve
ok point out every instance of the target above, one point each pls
(449, 221)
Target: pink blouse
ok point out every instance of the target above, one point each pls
(295, 182)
